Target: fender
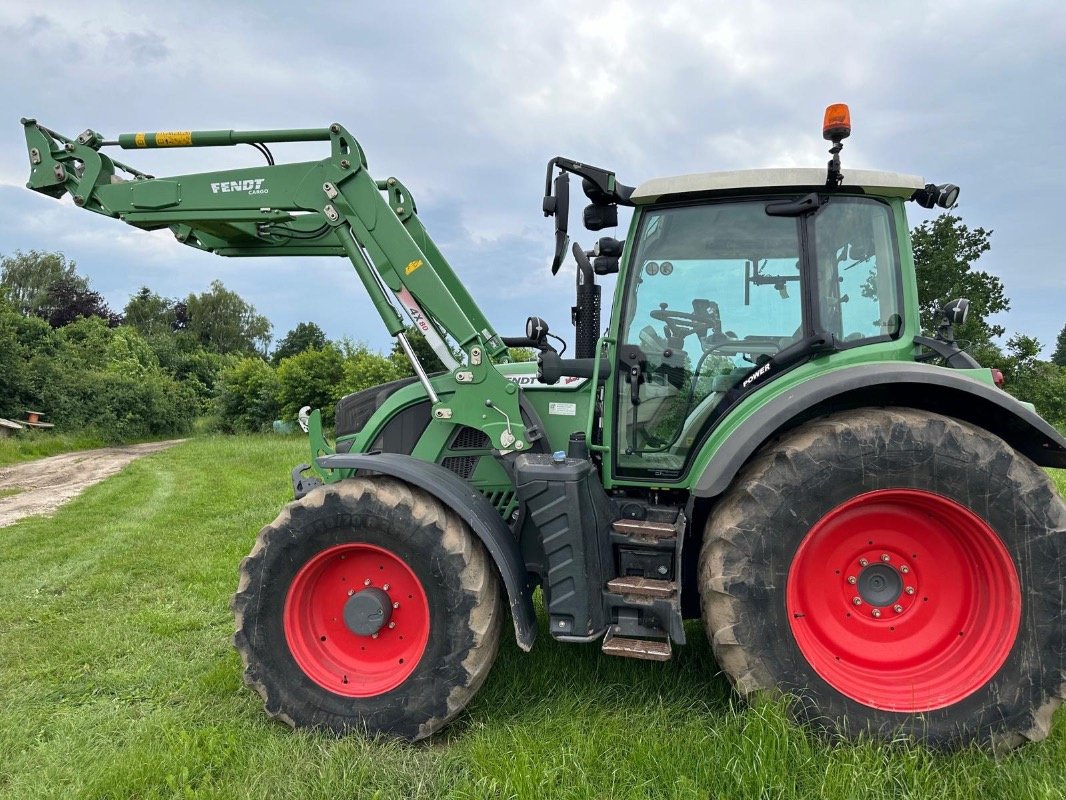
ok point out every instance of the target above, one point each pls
(936, 389)
(473, 508)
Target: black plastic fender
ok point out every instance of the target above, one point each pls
(473, 508)
(921, 386)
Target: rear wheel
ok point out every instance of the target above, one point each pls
(894, 570)
(367, 606)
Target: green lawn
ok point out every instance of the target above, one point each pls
(29, 445)
(117, 680)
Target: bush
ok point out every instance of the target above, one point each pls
(247, 396)
(119, 407)
(364, 368)
(311, 378)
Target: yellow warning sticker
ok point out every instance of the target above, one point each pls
(413, 266)
(139, 138)
(173, 139)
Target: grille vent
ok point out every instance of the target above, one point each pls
(470, 439)
(463, 466)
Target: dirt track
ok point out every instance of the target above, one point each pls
(50, 482)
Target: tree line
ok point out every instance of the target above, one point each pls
(161, 365)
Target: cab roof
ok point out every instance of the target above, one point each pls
(884, 184)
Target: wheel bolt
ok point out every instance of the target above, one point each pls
(856, 601)
(885, 557)
(898, 609)
(863, 562)
(385, 587)
(366, 582)
(909, 590)
(904, 569)
(392, 624)
(373, 636)
(351, 592)
(852, 580)
(876, 612)
(396, 604)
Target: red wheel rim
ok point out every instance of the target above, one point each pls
(945, 634)
(326, 649)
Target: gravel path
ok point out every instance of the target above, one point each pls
(48, 483)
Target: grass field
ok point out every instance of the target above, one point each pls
(35, 444)
(117, 680)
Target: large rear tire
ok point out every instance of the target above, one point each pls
(895, 571)
(367, 606)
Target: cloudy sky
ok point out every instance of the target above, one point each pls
(466, 101)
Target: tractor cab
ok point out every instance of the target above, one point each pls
(733, 278)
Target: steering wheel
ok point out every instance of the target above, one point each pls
(682, 324)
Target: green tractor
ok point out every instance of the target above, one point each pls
(762, 438)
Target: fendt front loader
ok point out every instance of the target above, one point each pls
(763, 437)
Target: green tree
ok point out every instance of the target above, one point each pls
(944, 253)
(222, 321)
(1059, 356)
(150, 313)
(430, 362)
(364, 368)
(311, 378)
(247, 396)
(12, 363)
(519, 354)
(305, 336)
(26, 278)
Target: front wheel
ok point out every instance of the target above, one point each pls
(367, 606)
(895, 571)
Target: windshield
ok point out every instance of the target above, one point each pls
(716, 290)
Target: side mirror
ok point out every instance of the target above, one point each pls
(557, 204)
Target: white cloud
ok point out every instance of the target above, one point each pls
(466, 101)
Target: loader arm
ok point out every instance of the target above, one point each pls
(331, 207)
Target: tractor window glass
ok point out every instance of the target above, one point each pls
(858, 270)
(714, 292)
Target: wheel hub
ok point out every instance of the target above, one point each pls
(367, 612)
(880, 585)
(356, 619)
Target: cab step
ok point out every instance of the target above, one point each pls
(642, 587)
(644, 649)
(643, 528)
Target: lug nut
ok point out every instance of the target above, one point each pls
(385, 587)
(897, 608)
(876, 612)
(856, 601)
(396, 604)
(885, 557)
(909, 590)
(852, 580)
(351, 592)
(863, 562)
(373, 636)
(392, 625)
(904, 569)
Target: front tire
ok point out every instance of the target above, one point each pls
(367, 606)
(895, 571)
